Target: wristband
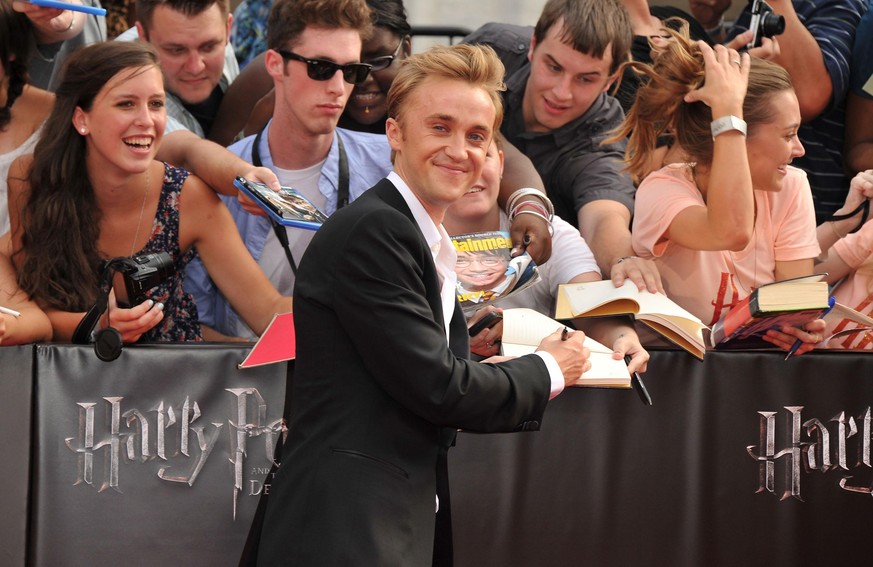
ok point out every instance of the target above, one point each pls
(726, 124)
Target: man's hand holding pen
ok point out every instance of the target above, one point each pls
(571, 354)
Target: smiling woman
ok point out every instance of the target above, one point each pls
(727, 214)
(92, 191)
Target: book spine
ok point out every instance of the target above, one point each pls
(745, 311)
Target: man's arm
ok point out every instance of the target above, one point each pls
(803, 49)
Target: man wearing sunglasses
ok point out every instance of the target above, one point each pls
(314, 61)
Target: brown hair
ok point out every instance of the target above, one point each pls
(288, 19)
(660, 108)
(145, 9)
(590, 27)
(61, 219)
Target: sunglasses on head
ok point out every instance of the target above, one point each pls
(385, 61)
(324, 70)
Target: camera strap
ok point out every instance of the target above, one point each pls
(342, 196)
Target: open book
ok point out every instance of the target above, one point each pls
(791, 302)
(524, 329)
(485, 270)
(288, 207)
(655, 310)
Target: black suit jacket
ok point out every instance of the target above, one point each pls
(378, 395)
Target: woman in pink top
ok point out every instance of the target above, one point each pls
(729, 213)
(848, 261)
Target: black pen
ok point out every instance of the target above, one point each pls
(638, 385)
(565, 334)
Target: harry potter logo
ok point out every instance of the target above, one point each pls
(173, 435)
(813, 446)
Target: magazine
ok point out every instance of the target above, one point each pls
(288, 207)
(485, 270)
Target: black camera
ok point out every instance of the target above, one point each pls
(765, 23)
(139, 275)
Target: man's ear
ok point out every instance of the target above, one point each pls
(229, 25)
(530, 50)
(274, 63)
(392, 131)
(141, 31)
(610, 81)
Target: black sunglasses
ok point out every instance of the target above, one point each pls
(323, 70)
(385, 61)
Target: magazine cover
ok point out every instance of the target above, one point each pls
(485, 270)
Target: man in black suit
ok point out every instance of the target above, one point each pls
(382, 381)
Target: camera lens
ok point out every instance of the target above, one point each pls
(771, 25)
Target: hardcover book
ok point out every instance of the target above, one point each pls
(790, 302)
(655, 310)
(524, 329)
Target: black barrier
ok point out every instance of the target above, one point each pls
(156, 458)
(744, 459)
(16, 371)
(610, 482)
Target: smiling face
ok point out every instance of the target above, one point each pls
(440, 140)
(304, 105)
(191, 49)
(480, 201)
(126, 121)
(563, 82)
(772, 145)
(369, 101)
(481, 271)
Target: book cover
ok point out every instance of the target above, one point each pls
(772, 306)
(524, 329)
(655, 310)
(486, 271)
(278, 343)
(288, 207)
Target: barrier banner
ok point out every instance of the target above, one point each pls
(156, 458)
(744, 459)
(16, 382)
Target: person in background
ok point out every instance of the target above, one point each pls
(558, 114)
(56, 34)
(847, 259)
(859, 101)
(92, 191)
(30, 325)
(248, 35)
(191, 38)
(729, 213)
(815, 49)
(301, 144)
(571, 262)
(23, 107)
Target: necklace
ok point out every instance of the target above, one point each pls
(145, 196)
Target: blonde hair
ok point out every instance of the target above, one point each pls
(475, 64)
